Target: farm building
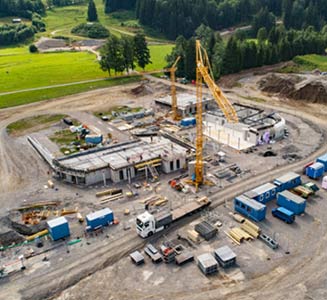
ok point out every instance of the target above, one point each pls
(263, 193)
(250, 208)
(287, 181)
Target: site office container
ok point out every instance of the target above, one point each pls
(263, 193)
(323, 159)
(287, 181)
(283, 214)
(250, 208)
(101, 217)
(291, 202)
(58, 228)
(316, 170)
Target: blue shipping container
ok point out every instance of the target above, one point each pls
(58, 228)
(188, 122)
(315, 171)
(101, 217)
(263, 193)
(93, 139)
(250, 208)
(323, 159)
(287, 181)
(291, 202)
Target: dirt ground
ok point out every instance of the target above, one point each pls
(273, 279)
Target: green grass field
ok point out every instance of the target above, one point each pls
(45, 94)
(60, 21)
(23, 71)
(22, 125)
(308, 62)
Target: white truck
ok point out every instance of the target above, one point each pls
(148, 224)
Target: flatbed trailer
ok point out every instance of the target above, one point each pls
(147, 224)
(190, 208)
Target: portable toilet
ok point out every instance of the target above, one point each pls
(58, 228)
(324, 183)
(315, 170)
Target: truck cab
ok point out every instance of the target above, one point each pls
(147, 224)
(283, 214)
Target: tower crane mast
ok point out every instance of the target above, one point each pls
(202, 74)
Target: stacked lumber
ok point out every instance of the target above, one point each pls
(251, 228)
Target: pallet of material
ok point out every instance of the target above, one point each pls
(111, 198)
(137, 258)
(206, 230)
(251, 228)
(184, 258)
(193, 236)
(207, 264)
(240, 232)
(109, 192)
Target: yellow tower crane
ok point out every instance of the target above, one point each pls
(202, 74)
(172, 71)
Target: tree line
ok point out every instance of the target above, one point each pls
(277, 45)
(64, 2)
(12, 34)
(122, 54)
(114, 5)
(21, 8)
(180, 17)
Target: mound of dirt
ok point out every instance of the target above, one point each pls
(294, 87)
(142, 90)
(10, 237)
(275, 84)
(315, 92)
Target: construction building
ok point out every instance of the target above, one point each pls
(121, 162)
(255, 126)
(186, 104)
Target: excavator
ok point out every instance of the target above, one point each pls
(202, 74)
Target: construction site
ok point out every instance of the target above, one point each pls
(174, 191)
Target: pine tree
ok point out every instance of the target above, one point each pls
(142, 52)
(92, 15)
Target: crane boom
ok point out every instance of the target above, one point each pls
(172, 70)
(202, 74)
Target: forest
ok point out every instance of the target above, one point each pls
(182, 17)
(21, 8)
(277, 45)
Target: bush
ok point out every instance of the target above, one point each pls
(12, 34)
(91, 30)
(33, 48)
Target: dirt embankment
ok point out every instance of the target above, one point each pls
(311, 89)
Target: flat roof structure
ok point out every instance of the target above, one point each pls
(57, 222)
(225, 253)
(295, 198)
(99, 214)
(260, 190)
(121, 156)
(250, 202)
(287, 177)
(183, 100)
